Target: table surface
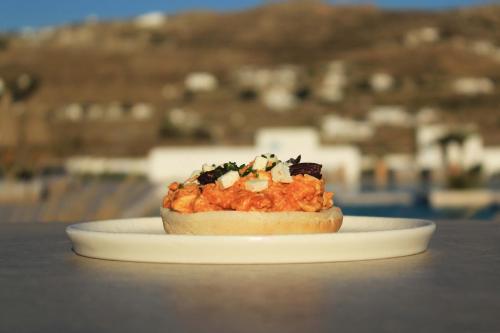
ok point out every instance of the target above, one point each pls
(453, 287)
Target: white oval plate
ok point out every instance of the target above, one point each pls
(144, 240)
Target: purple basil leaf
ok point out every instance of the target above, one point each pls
(210, 176)
(294, 160)
(312, 169)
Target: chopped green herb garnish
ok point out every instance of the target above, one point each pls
(230, 166)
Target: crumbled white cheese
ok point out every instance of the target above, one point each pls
(259, 163)
(281, 173)
(208, 167)
(256, 185)
(228, 179)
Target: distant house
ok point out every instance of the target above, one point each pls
(472, 86)
(334, 127)
(3, 87)
(391, 115)
(73, 112)
(200, 82)
(102, 165)
(150, 20)
(421, 36)
(279, 99)
(483, 47)
(259, 79)
(276, 86)
(426, 115)
(381, 82)
(251, 78)
(141, 111)
(183, 120)
(332, 87)
(491, 161)
(486, 48)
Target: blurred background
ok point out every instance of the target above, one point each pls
(102, 103)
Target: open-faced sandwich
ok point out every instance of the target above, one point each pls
(265, 196)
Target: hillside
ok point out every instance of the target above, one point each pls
(122, 62)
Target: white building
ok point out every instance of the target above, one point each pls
(279, 99)
(333, 84)
(472, 152)
(3, 87)
(422, 35)
(430, 154)
(491, 161)
(472, 86)
(102, 165)
(391, 115)
(252, 78)
(381, 82)
(201, 82)
(426, 115)
(170, 163)
(483, 47)
(151, 20)
(259, 79)
(334, 127)
(400, 162)
(183, 120)
(486, 48)
(73, 112)
(141, 111)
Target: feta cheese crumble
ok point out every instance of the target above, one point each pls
(259, 163)
(228, 179)
(281, 173)
(207, 167)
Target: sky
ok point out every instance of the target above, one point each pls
(18, 14)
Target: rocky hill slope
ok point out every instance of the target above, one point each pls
(424, 54)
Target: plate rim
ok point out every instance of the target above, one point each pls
(123, 245)
(77, 227)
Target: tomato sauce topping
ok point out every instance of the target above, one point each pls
(303, 193)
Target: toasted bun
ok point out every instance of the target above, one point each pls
(251, 223)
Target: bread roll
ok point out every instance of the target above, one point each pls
(251, 223)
